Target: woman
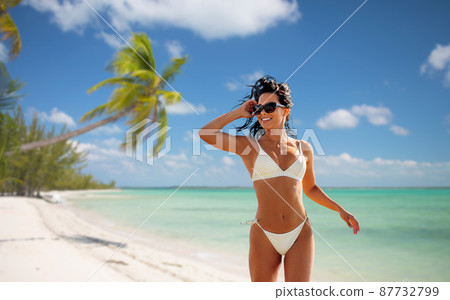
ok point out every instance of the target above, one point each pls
(280, 168)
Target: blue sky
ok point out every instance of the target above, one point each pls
(376, 94)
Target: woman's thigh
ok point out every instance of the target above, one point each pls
(298, 261)
(264, 260)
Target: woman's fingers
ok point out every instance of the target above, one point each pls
(355, 225)
(349, 223)
(248, 106)
(350, 220)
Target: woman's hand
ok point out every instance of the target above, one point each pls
(246, 109)
(350, 220)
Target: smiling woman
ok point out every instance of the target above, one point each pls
(281, 167)
(280, 92)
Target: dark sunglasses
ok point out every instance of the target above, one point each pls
(269, 108)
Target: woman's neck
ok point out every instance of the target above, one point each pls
(276, 135)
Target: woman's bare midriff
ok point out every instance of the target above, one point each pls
(280, 206)
(275, 214)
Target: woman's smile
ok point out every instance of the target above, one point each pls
(266, 119)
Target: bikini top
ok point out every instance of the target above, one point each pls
(265, 167)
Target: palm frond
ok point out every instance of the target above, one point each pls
(144, 75)
(11, 3)
(162, 132)
(8, 89)
(98, 111)
(137, 57)
(174, 68)
(110, 81)
(170, 97)
(8, 30)
(124, 96)
(144, 48)
(143, 110)
(121, 98)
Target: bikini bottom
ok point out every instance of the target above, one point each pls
(282, 242)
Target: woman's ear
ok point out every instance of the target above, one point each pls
(288, 113)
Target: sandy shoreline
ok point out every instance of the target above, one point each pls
(41, 241)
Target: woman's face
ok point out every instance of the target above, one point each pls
(275, 119)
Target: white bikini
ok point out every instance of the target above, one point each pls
(265, 167)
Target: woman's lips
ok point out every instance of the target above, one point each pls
(266, 119)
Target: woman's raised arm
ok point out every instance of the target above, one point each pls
(212, 134)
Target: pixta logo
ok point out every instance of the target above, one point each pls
(308, 135)
(145, 135)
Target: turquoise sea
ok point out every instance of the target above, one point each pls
(405, 233)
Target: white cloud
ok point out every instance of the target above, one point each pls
(174, 48)
(340, 118)
(251, 78)
(111, 39)
(228, 161)
(423, 69)
(244, 80)
(128, 167)
(176, 161)
(233, 86)
(97, 153)
(375, 115)
(394, 162)
(107, 130)
(182, 108)
(343, 118)
(68, 15)
(3, 52)
(439, 59)
(398, 130)
(188, 136)
(202, 159)
(209, 19)
(346, 169)
(56, 116)
(112, 143)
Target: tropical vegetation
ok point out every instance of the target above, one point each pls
(139, 93)
(57, 166)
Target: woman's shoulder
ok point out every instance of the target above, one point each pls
(305, 145)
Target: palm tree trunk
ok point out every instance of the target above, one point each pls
(71, 134)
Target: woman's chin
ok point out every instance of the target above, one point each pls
(267, 126)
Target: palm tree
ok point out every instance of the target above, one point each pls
(8, 126)
(8, 89)
(139, 93)
(8, 28)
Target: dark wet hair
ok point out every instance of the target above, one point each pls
(267, 84)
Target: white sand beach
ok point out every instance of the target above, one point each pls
(42, 241)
